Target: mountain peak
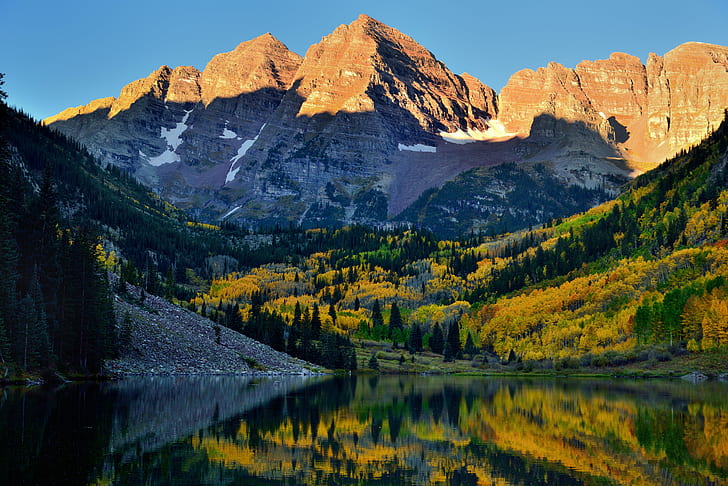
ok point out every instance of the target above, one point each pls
(367, 22)
(263, 41)
(370, 118)
(262, 62)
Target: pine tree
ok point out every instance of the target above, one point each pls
(414, 343)
(377, 318)
(395, 319)
(452, 343)
(315, 322)
(169, 285)
(437, 340)
(470, 347)
(45, 223)
(331, 353)
(32, 341)
(295, 332)
(151, 282)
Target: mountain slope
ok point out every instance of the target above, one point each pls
(639, 278)
(649, 267)
(67, 221)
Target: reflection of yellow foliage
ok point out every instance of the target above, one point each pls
(709, 440)
(591, 432)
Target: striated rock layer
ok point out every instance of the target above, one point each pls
(368, 120)
(648, 112)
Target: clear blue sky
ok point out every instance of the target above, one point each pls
(57, 54)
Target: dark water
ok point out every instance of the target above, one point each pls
(365, 430)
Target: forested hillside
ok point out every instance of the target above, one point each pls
(620, 283)
(55, 305)
(610, 286)
(65, 221)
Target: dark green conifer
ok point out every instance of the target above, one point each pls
(452, 344)
(373, 363)
(437, 340)
(377, 318)
(315, 322)
(395, 320)
(415, 339)
(470, 347)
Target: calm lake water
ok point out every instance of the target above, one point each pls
(365, 430)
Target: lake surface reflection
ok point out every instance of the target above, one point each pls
(366, 430)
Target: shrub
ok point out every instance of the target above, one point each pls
(693, 346)
(586, 359)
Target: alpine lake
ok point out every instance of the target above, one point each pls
(365, 429)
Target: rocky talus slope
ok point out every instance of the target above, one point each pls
(167, 339)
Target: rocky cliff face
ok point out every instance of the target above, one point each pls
(369, 120)
(177, 129)
(648, 112)
(363, 94)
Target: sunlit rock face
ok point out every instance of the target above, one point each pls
(369, 120)
(648, 112)
(360, 95)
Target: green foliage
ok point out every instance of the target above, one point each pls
(437, 340)
(395, 320)
(452, 349)
(470, 347)
(373, 363)
(414, 343)
(377, 318)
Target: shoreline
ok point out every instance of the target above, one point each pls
(692, 377)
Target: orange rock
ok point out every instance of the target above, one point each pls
(648, 112)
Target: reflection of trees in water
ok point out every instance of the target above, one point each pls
(53, 436)
(450, 429)
(349, 430)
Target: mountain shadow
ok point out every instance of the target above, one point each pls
(248, 160)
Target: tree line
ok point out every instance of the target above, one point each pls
(56, 309)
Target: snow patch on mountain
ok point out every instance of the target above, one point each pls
(227, 133)
(166, 157)
(231, 211)
(244, 147)
(417, 148)
(173, 137)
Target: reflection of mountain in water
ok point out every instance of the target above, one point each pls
(155, 411)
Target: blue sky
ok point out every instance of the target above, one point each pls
(60, 54)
